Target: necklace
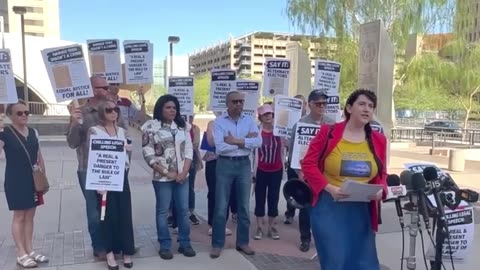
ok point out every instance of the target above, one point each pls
(106, 130)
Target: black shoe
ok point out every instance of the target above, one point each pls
(305, 246)
(165, 254)
(288, 220)
(128, 265)
(187, 251)
(170, 221)
(194, 219)
(115, 267)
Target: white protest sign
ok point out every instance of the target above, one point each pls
(303, 135)
(276, 76)
(67, 72)
(222, 82)
(8, 90)
(288, 112)
(138, 61)
(251, 90)
(327, 79)
(106, 164)
(182, 88)
(104, 56)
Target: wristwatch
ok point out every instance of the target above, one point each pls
(165, 171)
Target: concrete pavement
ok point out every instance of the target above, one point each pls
(60, 230)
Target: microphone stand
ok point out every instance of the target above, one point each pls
(441, 233)
(413, 231)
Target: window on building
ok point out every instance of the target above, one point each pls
(257, 46)
(34, 34)
(268, 55)
(34, 9)
(476, 22)
(34, 22)
(258, 72)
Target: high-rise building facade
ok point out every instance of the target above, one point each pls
(468, 19)
(247, 53)
(42, 18)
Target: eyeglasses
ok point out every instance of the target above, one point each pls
(102, 87)
(111, 110)
(320, 104)
(20, 113)
(237, 101)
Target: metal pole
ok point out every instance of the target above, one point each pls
(171, 59)
(2, 29)
(25, 84)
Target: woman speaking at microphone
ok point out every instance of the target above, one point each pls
(344, 232)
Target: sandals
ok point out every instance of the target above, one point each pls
(38, 258)
(26, 261)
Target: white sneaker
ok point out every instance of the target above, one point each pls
(175, 230)
(227, 231)
(210, 232)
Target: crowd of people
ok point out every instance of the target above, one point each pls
(239, 151)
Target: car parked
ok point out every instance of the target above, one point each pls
(443, 126)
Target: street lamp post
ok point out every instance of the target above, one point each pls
(21, 11)
(172, 40)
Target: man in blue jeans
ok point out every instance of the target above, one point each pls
(82, 118)
(235, 135)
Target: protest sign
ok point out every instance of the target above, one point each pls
(106, 164)
(303, 135)
(104, 56)
(138, 61)
(222, 82)
(8, 90)
(276, 76)
(182, 88)
(288, 112)
(251, 90)
(67, 72)
(327, 79)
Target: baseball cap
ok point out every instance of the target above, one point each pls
(266, 108)
(317, 94)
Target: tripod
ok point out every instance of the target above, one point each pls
(440, 235)
(413, 231)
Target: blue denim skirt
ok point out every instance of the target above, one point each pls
(343, 235)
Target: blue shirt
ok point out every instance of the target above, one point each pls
(239, 129)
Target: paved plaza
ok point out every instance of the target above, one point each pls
(60, 229)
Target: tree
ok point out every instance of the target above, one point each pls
(202, 91)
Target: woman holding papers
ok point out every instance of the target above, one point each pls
(268, 168)
(22, 153)
(117, 226)
(344, 232)
(167, 148)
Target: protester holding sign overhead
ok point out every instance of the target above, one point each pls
(317, 103)
(344, 232)
(82, 118)
(167, 148)
(117, 227)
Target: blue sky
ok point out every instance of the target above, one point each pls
(198, 23)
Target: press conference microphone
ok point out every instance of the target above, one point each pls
(406, 179)
(395, 191)
(431, 175)
(418, 186)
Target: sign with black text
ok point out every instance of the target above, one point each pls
(276, 76)
(104, 56)
(67, 71)
(106, 164)
(222, 82)
(8, 90)
(138, 61)
(182, 88)
(251, 90)
(327, 79)
(288, 112)
(303, 135)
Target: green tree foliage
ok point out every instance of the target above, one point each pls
(202, 91)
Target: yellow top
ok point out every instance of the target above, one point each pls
(350, 161)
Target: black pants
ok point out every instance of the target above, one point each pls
(117, 227)
(303, 216)
(211, 177)
(267, 188)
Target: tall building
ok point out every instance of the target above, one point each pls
(468, 19)
(42, 17)
(247, 53)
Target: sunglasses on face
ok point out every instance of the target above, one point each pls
(111, 110)
(102, 87)
(237, 101)
(320, 104)
(21, 113)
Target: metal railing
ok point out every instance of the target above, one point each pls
(40, 108)
(467, 137)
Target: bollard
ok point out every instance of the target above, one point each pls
(456, 160)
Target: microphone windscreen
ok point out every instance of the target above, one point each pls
(393, 180)
(430, 173)
(406, 179)
(418, 182)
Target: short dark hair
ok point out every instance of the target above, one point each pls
(158, 110)
(9, 109)
(101, 111)
(354, 96)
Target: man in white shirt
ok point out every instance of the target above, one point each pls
(235, 135)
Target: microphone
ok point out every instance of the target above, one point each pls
(395, 191)
(418, 186)
(406, 179)
(431, 176)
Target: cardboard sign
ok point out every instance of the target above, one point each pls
(8, 90)
(104, 56)
(276, 76)
(138, 61)
(182, 88)
(68, 73)
(106, 164)
(327, 79)
(251, 90)
(303, 135)
(288, 112)
(222, 82)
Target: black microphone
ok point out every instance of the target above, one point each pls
(431, 176)
(393, 180)
(418, 186)
(406, 179)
